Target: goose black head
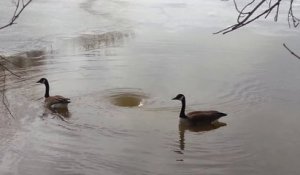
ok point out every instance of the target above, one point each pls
(179, 97)
(42, 81)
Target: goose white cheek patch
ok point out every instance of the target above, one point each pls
(181, 98)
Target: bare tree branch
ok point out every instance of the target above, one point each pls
(2, 87)
(6, 60)
(292, 17)
(5, 68)
(255, 9)
(247, 16)
(20, 6)
(4, 99)
(297, 56)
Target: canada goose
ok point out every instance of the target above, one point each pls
(198, 116)
(56, 101)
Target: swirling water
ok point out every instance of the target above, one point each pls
(121, 62)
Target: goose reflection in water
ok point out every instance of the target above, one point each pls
(192, 127)
(60, 113)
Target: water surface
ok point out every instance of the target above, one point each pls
(121, 62)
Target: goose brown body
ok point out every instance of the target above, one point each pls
(198, 116)
(56, 101)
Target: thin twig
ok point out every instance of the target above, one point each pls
(8, 110)
(4, 97)
(10, 71)
(17, 12)
(297, 56)
(5, 59)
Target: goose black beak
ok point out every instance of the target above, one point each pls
(174, 98)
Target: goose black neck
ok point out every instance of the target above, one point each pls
(182, 112)
(47, 89)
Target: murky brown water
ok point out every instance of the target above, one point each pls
(121, 62)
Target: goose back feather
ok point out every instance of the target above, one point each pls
(207, 116)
